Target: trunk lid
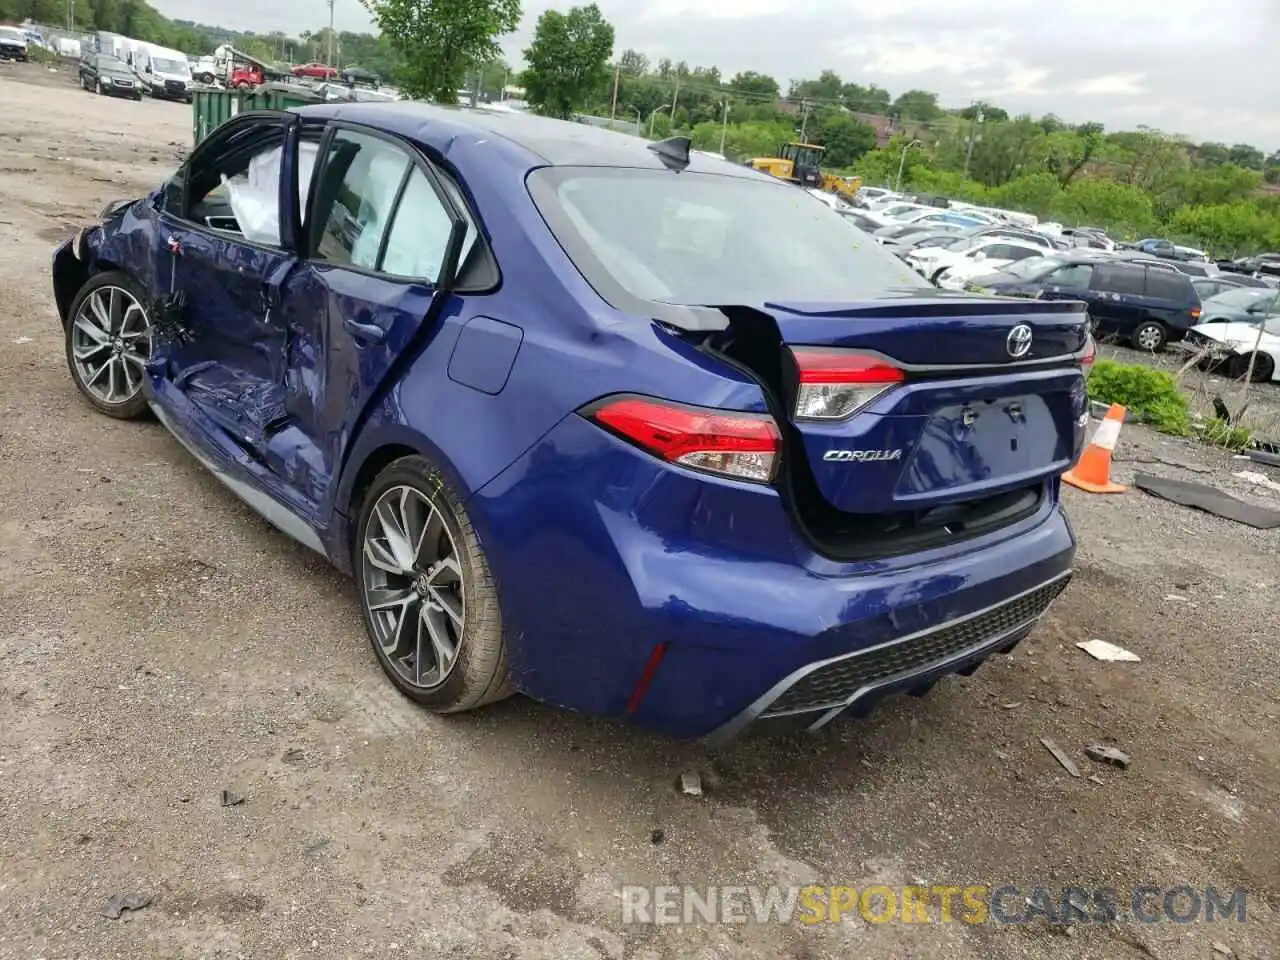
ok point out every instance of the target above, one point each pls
(914, 403)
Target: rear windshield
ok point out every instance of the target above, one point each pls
(11, 34)
(706, 239)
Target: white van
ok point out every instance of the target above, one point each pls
(165, 73)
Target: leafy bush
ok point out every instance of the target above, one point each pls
(1222, 434)
(1152, 395)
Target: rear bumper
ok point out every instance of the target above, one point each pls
(817, 693)
(607, 561)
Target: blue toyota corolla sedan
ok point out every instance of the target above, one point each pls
(629, 429)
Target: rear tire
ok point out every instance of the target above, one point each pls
(1150, 336)
(427, 597)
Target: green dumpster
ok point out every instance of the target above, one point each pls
(211, 106)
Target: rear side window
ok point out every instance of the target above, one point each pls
(705, 239)
(1119, 278)
(361, 181)
(1168, 285)
(1009, 251)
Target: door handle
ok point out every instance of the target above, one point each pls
(364, 332)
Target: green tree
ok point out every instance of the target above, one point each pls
(438, 40)
(869, 99)
(568, 59)
(845, 139)
(917, 105)
(754, 85)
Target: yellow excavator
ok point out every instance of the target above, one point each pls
(801, 163)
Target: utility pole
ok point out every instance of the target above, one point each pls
(330, 61)
(479, 85)
(675, 98)
(804, 119)
(724, 124)
(617, 69)
(968, 154)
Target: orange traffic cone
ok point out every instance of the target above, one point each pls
(1093, 472)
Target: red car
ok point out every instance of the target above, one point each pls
(320, 71)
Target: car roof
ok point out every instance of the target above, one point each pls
(547, 141)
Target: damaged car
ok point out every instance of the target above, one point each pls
(574, 421)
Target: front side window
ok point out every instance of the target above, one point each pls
(706, 239)
(234, 183)
(1073, 277)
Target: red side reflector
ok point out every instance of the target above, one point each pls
(1090, 351)
(646, 677)
(740, 445)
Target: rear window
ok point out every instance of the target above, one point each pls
(705, 239)
(1168, 285)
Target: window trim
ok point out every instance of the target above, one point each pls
(417, 160)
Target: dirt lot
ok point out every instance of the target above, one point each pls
(160, 644)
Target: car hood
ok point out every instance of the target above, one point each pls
(1234, 334)
(1221, 314)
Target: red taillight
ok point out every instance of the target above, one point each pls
(1195, 313)
(740, 445)
(833, 384)
(1090, 351)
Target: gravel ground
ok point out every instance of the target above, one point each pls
(161, 644)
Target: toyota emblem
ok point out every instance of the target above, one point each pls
(1018, 343)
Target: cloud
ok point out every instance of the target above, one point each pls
(1202, 68)
(1112, 85)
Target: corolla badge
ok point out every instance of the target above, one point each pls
(1018, 343)
(861, 456)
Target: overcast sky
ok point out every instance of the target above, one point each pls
(1203, 68)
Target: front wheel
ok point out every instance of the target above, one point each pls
(427, 598)
(1263, 367)
(1150, 336)
(108, 343)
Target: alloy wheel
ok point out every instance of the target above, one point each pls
(110, 344)
(1149, 338)
(412, 586)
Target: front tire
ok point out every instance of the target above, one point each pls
(427, 598)
(1150, 336)
(1263, 367)
(108, 343)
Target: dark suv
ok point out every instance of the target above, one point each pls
(1147, 304)
(107, 76)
